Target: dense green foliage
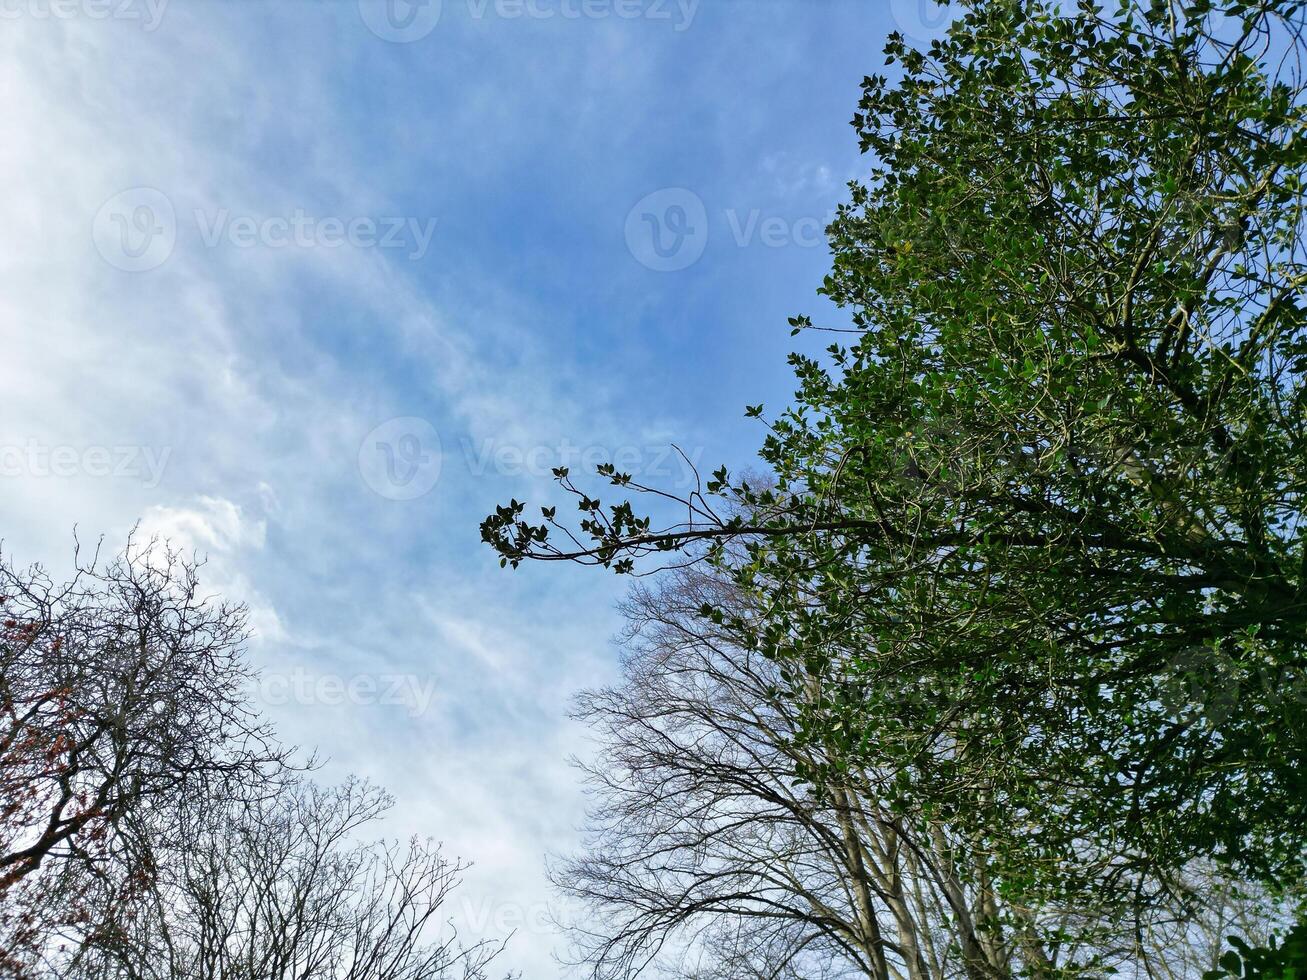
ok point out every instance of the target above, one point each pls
(1037, 531)
(1279, 961)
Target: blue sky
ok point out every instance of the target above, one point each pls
(312, 301)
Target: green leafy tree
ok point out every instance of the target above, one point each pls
(1278, 961)
(1037, 528)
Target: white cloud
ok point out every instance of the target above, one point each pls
(217, 357)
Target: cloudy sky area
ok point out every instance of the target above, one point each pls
(310, 286)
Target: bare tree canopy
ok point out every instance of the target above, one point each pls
(282, 889)
(151, 827)
(123, 694)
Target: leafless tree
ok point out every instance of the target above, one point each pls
(282, 889)
(123, 692)
(723, 846)
(150, 826)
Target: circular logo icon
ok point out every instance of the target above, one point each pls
(1200, 684)
(400, 459)
(668, 229)
(135, 230)
(400, 21)
(922, 21)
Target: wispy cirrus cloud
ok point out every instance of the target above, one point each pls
(192, 247)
